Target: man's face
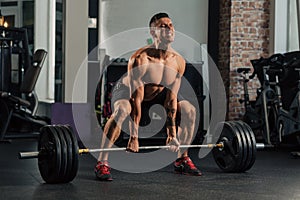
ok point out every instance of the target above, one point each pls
(164, 30)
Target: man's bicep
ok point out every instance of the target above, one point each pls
(175, 86)
(134, 75)
(177, 82)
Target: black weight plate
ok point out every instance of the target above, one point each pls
(49, 159)
(253, 141)
(229, 157)
(64, 153)
(69, 158)
(244, 145)
(75, 154)
(248, 145)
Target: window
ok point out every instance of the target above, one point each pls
(286, 25)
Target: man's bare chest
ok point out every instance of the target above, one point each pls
(160, 72)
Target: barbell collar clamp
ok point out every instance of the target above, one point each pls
(264, 146)
(28, 155)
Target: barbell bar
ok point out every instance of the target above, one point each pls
(58, 151)
(35, 154)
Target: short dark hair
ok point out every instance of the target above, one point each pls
(157, 17)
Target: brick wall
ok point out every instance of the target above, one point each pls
(224, 41)
(244, 35)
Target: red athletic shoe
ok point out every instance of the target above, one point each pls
(102, 171)
(186, 166)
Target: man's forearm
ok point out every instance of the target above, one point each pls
(136, 113)
(171, 108)
(136, 118)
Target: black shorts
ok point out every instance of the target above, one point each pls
(120, 91)
(158, 99)
(161, 97)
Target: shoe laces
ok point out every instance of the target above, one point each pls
(190, 163)
(103, 168)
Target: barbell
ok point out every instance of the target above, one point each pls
(58, 150)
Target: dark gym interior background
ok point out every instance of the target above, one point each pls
(232, 32)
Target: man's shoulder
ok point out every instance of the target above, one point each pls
(179, 58)
(140, 52)
(138, 57)
(180, 61)
(178, 55)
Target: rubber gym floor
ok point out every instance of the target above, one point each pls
(275, 175)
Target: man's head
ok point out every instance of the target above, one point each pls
(161, 28)
(157, 17)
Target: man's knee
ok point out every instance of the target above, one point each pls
(187, 110)
(122, 110)
(192, 113)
